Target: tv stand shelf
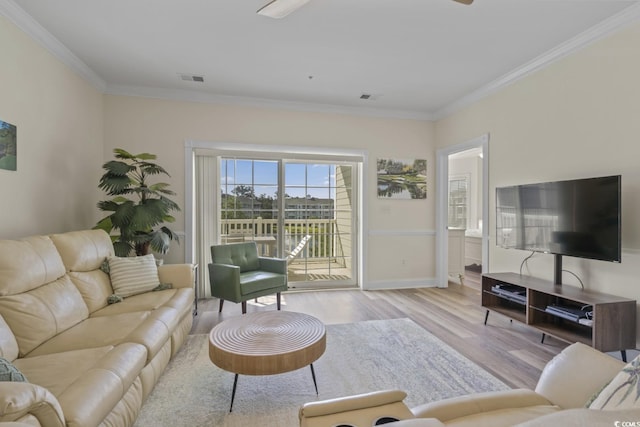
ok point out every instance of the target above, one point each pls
(613, 325)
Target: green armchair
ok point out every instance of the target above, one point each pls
(238, 274)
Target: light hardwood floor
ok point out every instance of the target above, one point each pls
(511, 351)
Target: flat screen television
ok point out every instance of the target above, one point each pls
(578, 218)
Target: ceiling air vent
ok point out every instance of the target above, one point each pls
(191, 78)
(370, 96)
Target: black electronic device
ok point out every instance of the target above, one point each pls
(579, 218)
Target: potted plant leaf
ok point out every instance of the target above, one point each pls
(137, 207)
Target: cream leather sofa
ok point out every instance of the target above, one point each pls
(87, 362)
(567, 385)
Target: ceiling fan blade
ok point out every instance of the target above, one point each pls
(467, 2)
(280, 8)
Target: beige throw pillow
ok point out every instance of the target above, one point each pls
(133, 275)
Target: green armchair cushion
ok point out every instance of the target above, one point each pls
(256, 281)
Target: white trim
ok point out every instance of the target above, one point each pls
(211, 98)
(191, 146)
(378, 285)
(573, 45)
(407, 233)
(363, 209)
(230, 148)
(442, 190)
(189, 208)
(32, 28)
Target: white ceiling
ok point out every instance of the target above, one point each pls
(418, 58)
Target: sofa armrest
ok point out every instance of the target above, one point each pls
(179, 275)
(361, 409)
(273, 265)
(14, 424)
(581, 417)
(462, 406)
(573, 376)
(18, 399)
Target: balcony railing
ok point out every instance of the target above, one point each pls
(323, 245)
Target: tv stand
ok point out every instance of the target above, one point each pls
(541, 304)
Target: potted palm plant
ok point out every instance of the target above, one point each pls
(137, 207)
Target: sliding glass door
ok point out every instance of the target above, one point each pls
(302, 210)
(318, 208)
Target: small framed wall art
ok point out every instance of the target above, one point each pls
(8, 146)
(402, 179)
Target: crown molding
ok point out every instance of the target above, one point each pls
(32, 28)
(210, 98)
(599, 31)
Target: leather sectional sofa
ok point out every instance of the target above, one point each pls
(579, 387)
(87, 362)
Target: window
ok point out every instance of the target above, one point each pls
(458, 201)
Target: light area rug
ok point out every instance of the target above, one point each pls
(360, 357)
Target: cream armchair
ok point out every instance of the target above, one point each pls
(566, 385)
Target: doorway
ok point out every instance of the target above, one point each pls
(301, 210)
(249, 198)
(462, 210)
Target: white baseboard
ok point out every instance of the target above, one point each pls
(378, 285)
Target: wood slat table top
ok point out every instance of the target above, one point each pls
(267, 343)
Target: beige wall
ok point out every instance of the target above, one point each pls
(576, 118)
(162, 127)
(59, 127)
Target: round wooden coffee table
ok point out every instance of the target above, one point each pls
(267, 343)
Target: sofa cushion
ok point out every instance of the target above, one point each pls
(94, 286)
(180, 299)
(39, 315)
(623, 392)
(8, 372)
(133, 275)
(503, 417)
(88, 383)
(82, 253)
(582, 417)
(28, 264)
(83, 250)
(141, 327)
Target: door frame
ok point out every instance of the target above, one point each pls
(358, 156)
(442, 195)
